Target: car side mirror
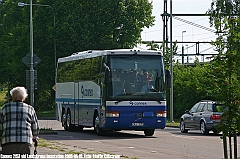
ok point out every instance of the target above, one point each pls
(99, 81)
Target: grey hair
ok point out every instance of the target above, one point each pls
(19, 92)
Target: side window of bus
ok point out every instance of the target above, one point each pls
(60, 72)
(65, 71)
(78, 70)
(102, 69)
(96, 62)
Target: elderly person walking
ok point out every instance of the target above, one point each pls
(18, 124)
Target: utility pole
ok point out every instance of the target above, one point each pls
(31, 58)
(171, 65)
(165, 18)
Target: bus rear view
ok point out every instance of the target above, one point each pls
(128, 90)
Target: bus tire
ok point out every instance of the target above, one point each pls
(80, 128)
(63, 120)
(68, 126)
(98, 130)
(149, 132)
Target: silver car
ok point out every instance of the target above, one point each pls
(203, 116)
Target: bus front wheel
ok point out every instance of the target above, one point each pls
(98, 130)
(149, 132)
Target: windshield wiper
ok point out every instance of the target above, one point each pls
(146, 94)
(118, 102)
(125, 94)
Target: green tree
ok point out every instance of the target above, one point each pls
(225, 18)
(190, 86)
(79, 25)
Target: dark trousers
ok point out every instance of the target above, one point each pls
(16, 148)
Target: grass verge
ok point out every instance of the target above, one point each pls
(46, 114)
(173, 124)
(3, 97)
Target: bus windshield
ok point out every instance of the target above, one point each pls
(135, 77)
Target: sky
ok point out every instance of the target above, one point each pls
(192, 33)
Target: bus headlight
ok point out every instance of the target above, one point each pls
(112, 113)
(161, 113)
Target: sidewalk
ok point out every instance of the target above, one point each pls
(52, 149)
(52, 153)
(44, 150)
(49, 153)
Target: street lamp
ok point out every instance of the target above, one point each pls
(187, 53)
(183, 48)
(21, 4)
(119, 28)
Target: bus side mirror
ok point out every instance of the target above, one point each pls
(168, 78)
(107, 76)
(99, 81)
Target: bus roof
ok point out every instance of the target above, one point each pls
(96, 53)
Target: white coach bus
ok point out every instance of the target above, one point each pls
(112, 90)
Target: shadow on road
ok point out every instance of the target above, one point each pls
(89, 134)
(195, 133)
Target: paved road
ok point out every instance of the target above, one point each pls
(167, 143)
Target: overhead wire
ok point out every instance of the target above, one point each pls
(174, 26)
(194, 24)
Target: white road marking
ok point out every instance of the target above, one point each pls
(187, 137)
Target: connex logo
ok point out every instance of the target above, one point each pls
(137, 103)
(86, 92)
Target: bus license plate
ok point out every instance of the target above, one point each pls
(137, 124)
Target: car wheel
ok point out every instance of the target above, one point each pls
(149, 132)
(203, 128)
(182, 127)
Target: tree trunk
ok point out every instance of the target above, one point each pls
(230, 144)
(235, 144)
(225, 147)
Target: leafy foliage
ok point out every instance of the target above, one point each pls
(225, 17)
(190, 86)
(225, 66)
(71, 26)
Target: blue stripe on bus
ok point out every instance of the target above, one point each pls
(80, 100)
(136, 108)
